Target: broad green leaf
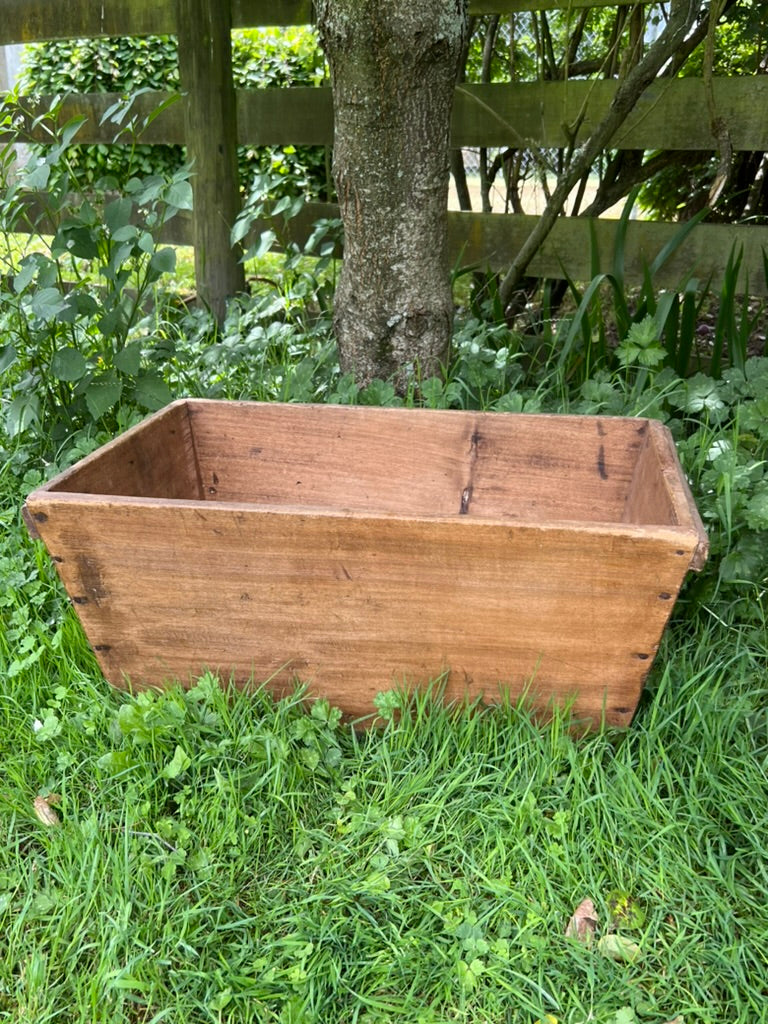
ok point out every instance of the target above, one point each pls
(113, 322)
(151, 392)
(116, 761)
(77, 240)
(23, 412)
(616, 947)
(71, 128)
(128, 360)
(127, 233)
(29, 267)
(36, 178)
(102, 394)
(163, 261)
(756, 512)
(117, 214)
(68, 364)
(48, 303)
(7, 357)
(179, 195)
(264, 244)
(178, 764)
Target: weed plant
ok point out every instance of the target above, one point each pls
(211, 855)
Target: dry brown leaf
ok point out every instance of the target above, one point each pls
(583, 923)
(43, 810)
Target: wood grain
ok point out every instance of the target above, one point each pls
(358, 548)
(29, 20)
(672, 114)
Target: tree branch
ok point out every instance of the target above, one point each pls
(682, 18)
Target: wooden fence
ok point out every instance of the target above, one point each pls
(673, 114)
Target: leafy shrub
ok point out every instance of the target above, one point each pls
(78, 339)
(261, 58)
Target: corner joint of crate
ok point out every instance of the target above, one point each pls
(31, 519)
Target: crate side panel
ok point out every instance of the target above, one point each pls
(551, 468)
(330, 457)
(526, 468)
(154, 460)
(648, 499)
(354, 605)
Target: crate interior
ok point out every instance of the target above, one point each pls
(390, 462)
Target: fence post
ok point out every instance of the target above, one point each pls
(205, 67)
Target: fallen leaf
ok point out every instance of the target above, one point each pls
(616, 947)
(583, 923)
(44, 811)
(549, 1019)
(625, 911)
(677, 1020)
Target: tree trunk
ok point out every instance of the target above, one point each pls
(393, 70)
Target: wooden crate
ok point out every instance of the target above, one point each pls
(361, 548)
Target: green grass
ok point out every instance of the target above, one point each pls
(222, 857)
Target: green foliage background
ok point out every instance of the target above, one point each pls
(261, 58)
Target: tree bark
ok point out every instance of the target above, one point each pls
(393, 70)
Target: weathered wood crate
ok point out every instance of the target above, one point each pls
(360, 548)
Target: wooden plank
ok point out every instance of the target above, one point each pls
(167, 128)
(210, 118)
(26, 21)
(517, 6)
(460, 465)
(492, 240)
(29, 21)
(300, 116)
(672, 114)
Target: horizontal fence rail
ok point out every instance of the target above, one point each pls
(535, 114)
(673, 114)
(27, 21)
